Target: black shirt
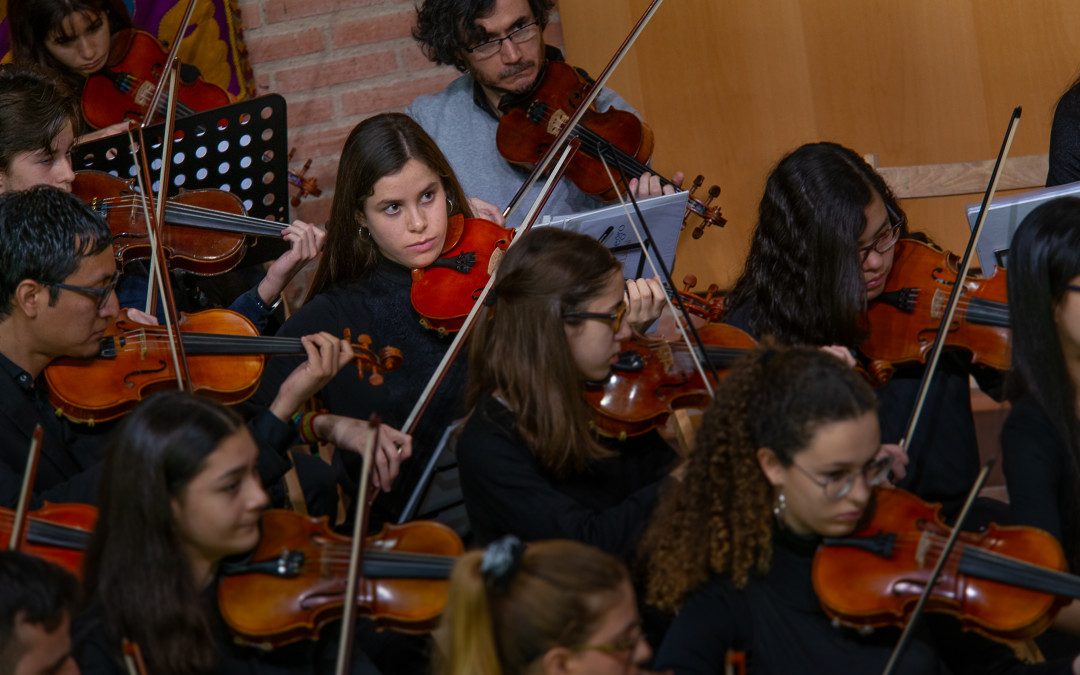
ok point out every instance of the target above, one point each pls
(1065, 140)
(507, 491)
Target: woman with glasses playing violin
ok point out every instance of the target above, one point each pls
(551, 607)
(530, 462)
(823, 249)
(788, 453)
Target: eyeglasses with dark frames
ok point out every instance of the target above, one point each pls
(839, 485)
(888, 239)
(517, 36)
(614, 319)
(102, 294)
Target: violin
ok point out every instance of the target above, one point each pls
(444, 292)
(1006, 583)
(653, 378)
(123, 88)
(58, 533)
(225, 354)
(206, 231)
(904, 319)
(293, 583)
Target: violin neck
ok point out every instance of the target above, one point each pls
(596, 146)
(209, 219)
(45, 533)
(984, 564)
(988, 312)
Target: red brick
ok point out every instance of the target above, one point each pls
(262, 83)
(312, 210)
(321, 143)
(285, 45)
(286, 10)
(250, 16)
(311, 111)
(413, 59)
(375, 99)
(374, 29)
(335, 72)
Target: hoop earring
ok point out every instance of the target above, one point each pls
(449, 205)
(779, 506)
(364, 234)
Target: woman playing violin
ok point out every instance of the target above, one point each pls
(551, 607)
(1040, 440)
(822, 251)
(530, 462)
(180, 492)
(788, 453)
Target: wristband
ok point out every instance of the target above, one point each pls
(305, 425)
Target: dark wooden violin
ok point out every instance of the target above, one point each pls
(57, 532)
(1006, 582)
(294, 582)
(445, 291)
(122, 90)
(904, 320)
(206, 231)
(225, 353)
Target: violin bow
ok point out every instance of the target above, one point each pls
(133, 658)
(568, 128)
(961, 276)
(170, 64)
(356, 557)
(23, 510)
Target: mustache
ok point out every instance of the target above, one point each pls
(515, 68)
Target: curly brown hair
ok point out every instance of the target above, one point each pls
(720, 521)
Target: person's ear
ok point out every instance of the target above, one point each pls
(30, 297)
(771, 466)
(557, 661)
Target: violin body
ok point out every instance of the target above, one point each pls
(293, 583)
(198, 249)
(444, 292)
(659, 377)
(529, 127)
(874, 577)
(56, 532)
(904, 320)
(122, 90)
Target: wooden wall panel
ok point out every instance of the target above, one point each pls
(729, 87)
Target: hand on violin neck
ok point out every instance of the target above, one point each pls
(645, 302)
(305, 244)
(486, 210)
(351, 434)
(841, 352)
(139, 316)
(326, 355)
(649, 185)
(900, 459)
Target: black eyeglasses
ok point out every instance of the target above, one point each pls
(839, 483)
(102, 294)
(614, 319)
(517, 36)
(887, 240)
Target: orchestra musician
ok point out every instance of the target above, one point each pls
(1064, 156)
(181, 491)
(499, 47)
(1040, 440)
(788, 453)
(529, 461)
(822, 250)
(553, 607)
(37, 602)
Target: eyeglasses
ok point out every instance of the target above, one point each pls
(619, 646)
(839, 483)
(887, 240)
(102, 294)
(614, 319)
(518, 36)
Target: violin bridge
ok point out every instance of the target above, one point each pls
(925, 542)
(557, 122)
(493, 262)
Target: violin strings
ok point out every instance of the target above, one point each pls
(988, 310)
(591, 142)
(239, 222)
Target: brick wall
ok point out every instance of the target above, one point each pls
(337, 62)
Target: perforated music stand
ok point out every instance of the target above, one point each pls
(240, 148)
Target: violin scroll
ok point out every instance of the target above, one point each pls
(700, 207)
(306, 185)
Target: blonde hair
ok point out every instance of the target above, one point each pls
(556, 597)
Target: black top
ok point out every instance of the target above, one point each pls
(71, 454)
(507, 491)
(98, 653)
(777, 620)
(1065, 141)
(1039, 472)
(944, 454)
(379, 306)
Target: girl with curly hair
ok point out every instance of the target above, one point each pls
(823, 249)
(788, 453)
(552, 607)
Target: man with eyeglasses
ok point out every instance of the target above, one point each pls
(499, 45)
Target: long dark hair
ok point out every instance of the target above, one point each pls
(377, 147)
(522, 352)
(803, 281)
(720, 520)
(32, 21)
(34, 107)
(135, 566)
(1043, 258)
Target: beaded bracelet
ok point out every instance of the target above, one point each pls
(305, 424)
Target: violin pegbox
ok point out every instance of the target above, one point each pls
(387, 359)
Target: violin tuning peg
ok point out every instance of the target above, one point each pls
(689, 281)
(712, 291)
(714, 192)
